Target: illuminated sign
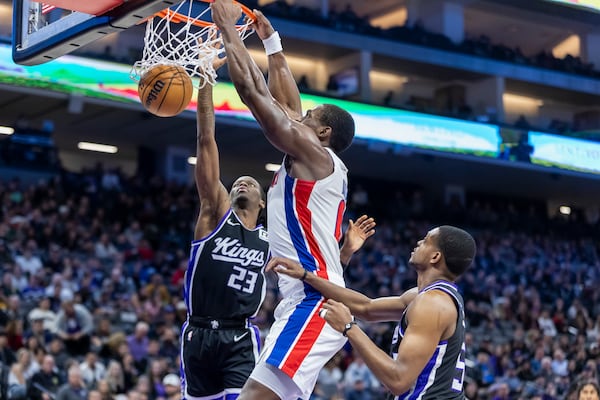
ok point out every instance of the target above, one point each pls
(111, 81)
(565, 152)
(593, 5)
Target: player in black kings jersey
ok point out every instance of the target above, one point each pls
(428, 349)
(224, 282)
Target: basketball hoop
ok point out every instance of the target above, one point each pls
(175, 36)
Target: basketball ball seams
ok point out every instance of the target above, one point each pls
(184, 90)
(165, 90)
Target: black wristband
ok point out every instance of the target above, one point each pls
(348, 326)
(304, 276)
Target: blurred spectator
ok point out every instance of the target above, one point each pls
(387, 99)
(156, 371)
(7, 356)
(37, 330)
(92, 370)
(172, 385)
(95, 395)
(359, 381)
(559, 363)
(472, 390)
(29, 262)
(45, 313)
(546, 324)
(138, 343)
(105, 249)
(329, 380)
(20, 373)
(303, 84)
(522, 151)
(115, 378)
(74, 325)
(111, 180)
(57, 350)
(500, 391)
(75, 388)
(44, 384)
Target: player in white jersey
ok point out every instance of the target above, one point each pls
(428, 348)
(306, 204)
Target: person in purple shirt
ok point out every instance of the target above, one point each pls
(138, 342)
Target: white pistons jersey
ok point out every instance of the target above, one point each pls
(304, 220)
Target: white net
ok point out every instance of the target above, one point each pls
(178, 38)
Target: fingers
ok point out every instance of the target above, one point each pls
(364, 218)
(273, 262)
(260, 17)
(365, 221)
(329, 304)
(361, 219)
(282, 265)
(220, 63)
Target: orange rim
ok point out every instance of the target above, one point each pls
(179, 18)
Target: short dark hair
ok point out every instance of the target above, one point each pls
(342, 127)
(458, 248)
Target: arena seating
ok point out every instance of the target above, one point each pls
(117, 248)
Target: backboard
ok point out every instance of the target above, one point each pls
(45, 31)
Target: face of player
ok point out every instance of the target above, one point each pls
(312, 119)
(246, 190)
(426, 249)
(588, 392)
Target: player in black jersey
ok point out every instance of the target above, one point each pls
(428, 349)
(224, 282)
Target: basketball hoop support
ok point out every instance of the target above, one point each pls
(78, 29)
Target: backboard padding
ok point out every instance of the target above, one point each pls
(33, 45)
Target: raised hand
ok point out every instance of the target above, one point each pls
(262, 25)
(218, 61)
(358, 232)
(214, 42)
(225, 13)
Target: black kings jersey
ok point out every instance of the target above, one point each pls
(224, 278)
(442, 377)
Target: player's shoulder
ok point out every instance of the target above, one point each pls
(434, 301)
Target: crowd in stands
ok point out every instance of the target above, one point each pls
(93, 263)
(347, 20)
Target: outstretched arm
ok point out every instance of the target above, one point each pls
(285, 133)
(281, 81)
(214, 200)
(432, 318)
(365, 308)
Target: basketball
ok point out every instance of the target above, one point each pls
(165, 90)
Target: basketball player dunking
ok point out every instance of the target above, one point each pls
(224, 284)
(306, 203)
(428, 348)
